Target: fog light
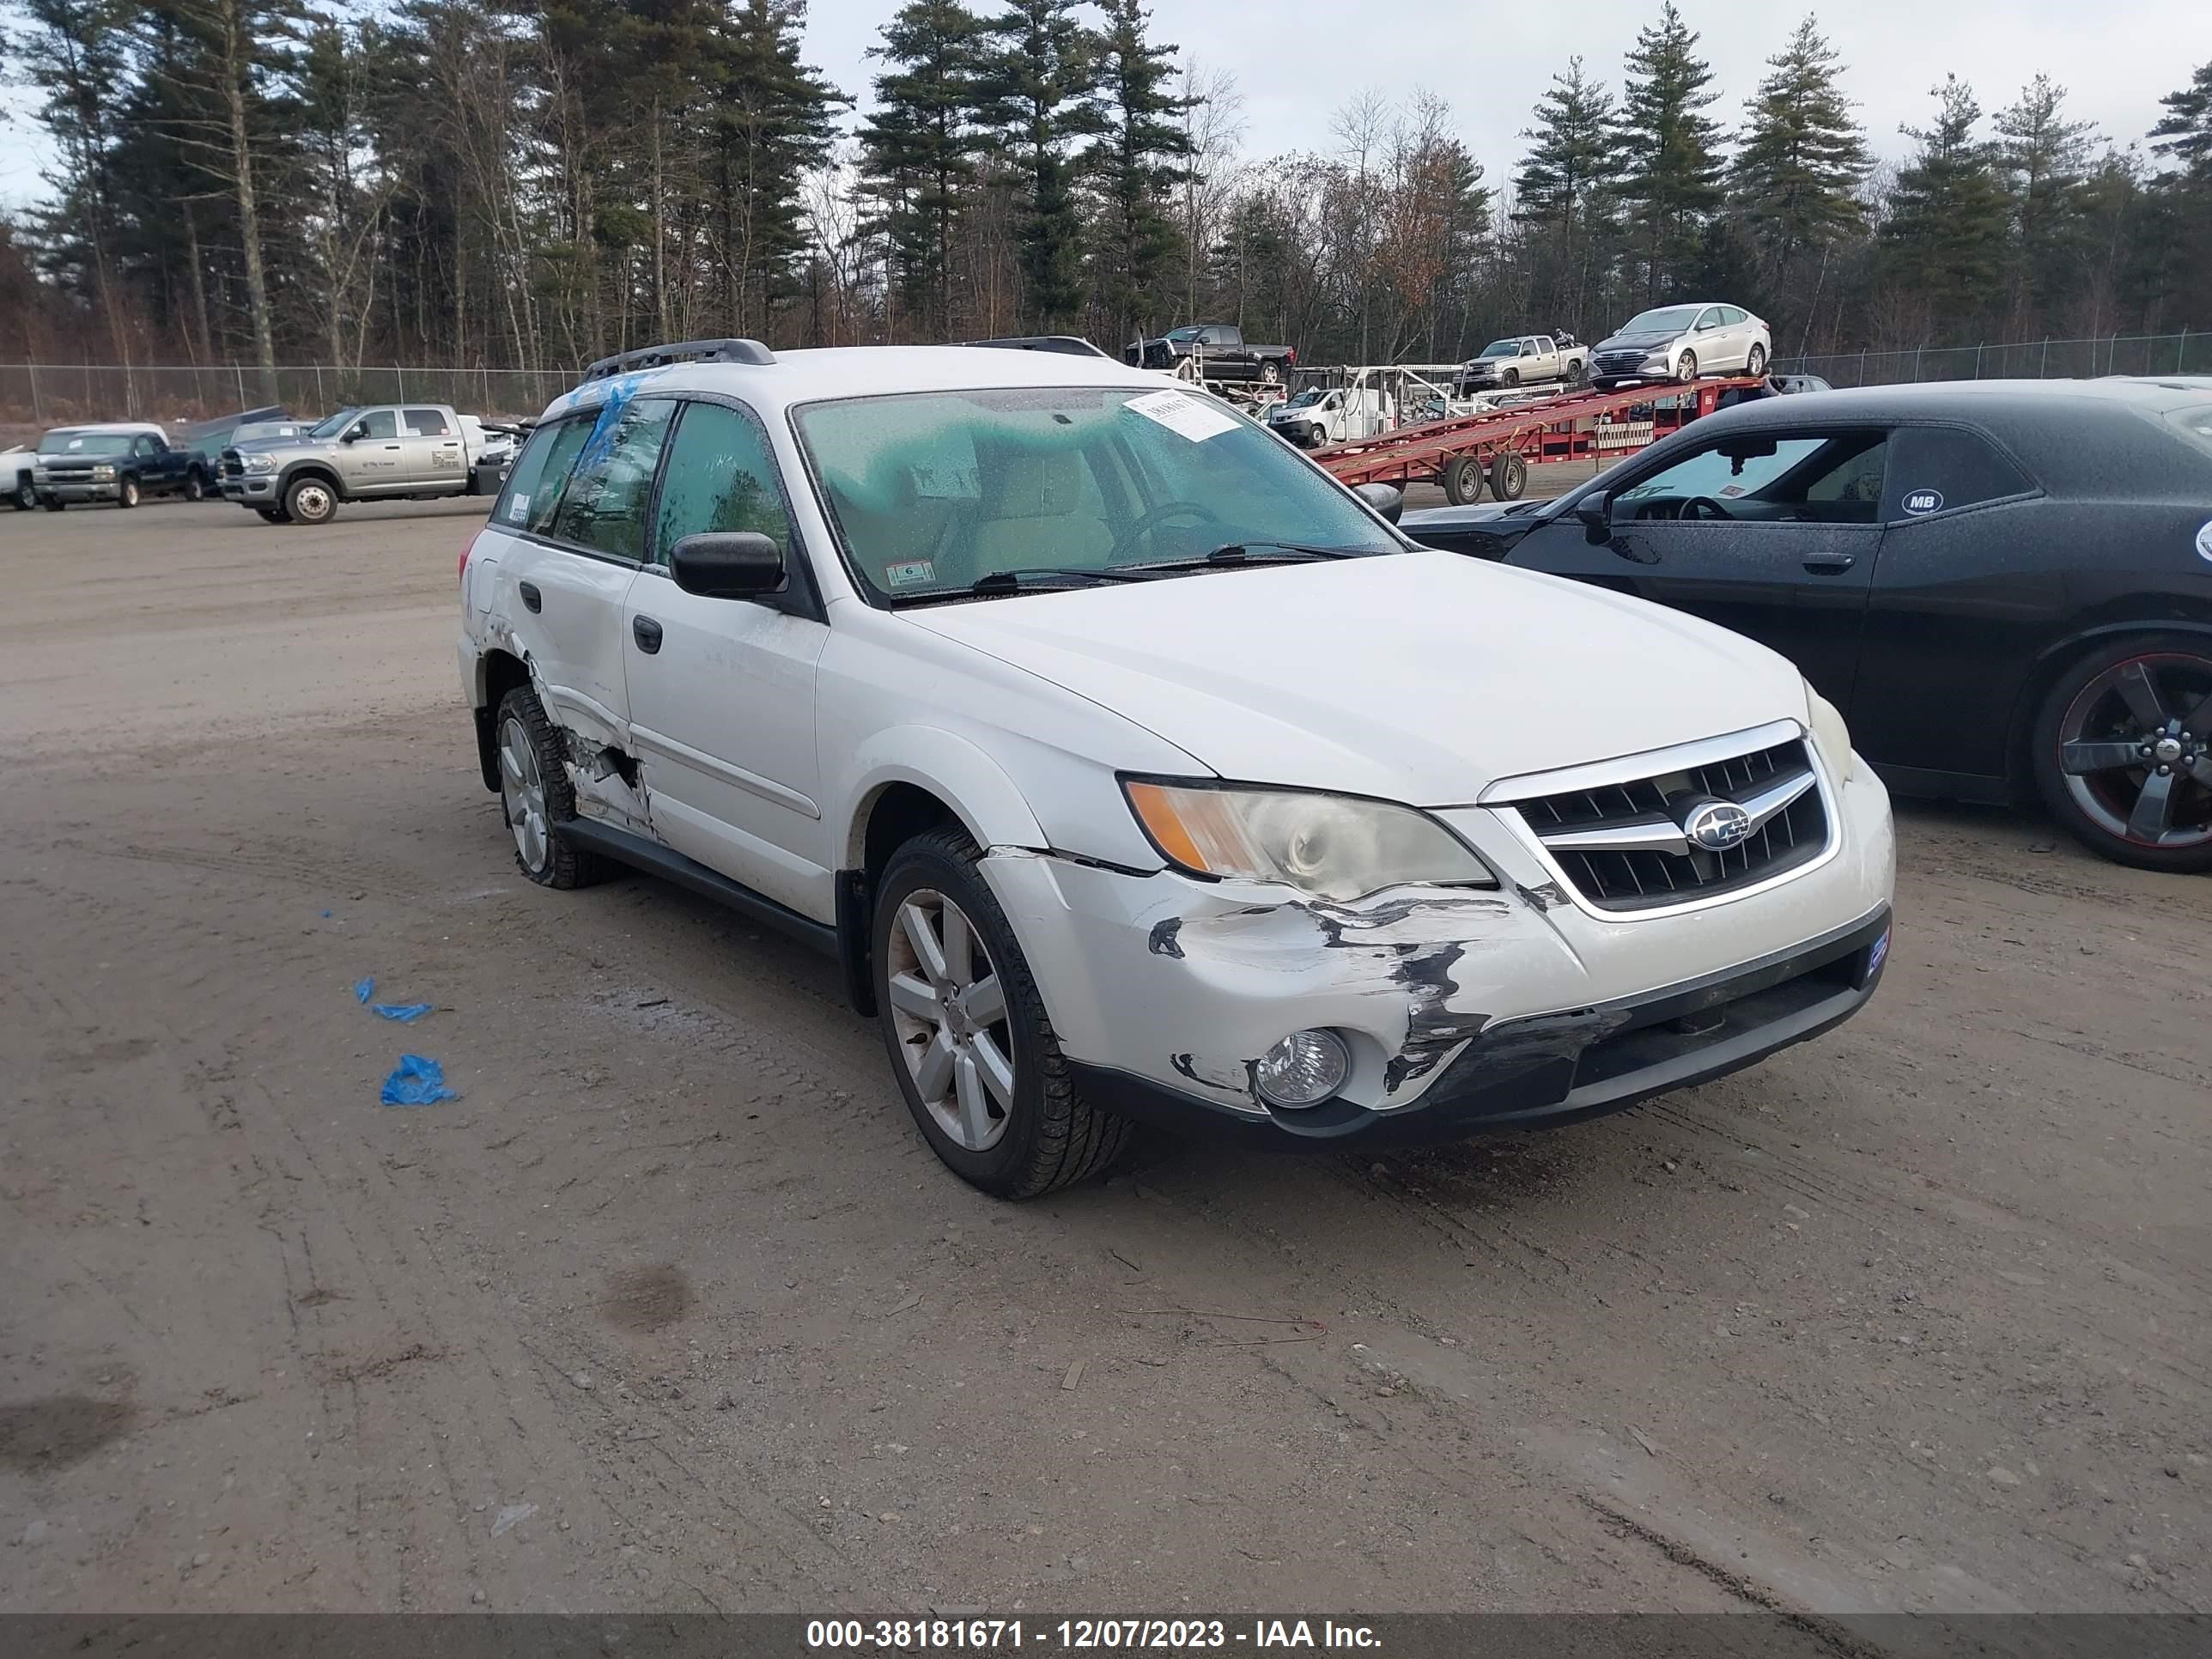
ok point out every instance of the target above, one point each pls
(1302, 1070)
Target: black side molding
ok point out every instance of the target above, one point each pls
(655, 860)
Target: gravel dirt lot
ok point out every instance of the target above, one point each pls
(673, 1309)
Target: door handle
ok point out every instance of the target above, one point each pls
(1833, 564)
(532, 601)
(646, 632)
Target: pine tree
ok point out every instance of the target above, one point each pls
(774, 118)
(1946, 228)
(1137, 163)
(1039, 90)
(1672, 170)
(920, 147)
(2185, 131)
(2041, 158)
(1566, 180)
(1804, 157)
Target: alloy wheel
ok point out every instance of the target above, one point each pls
(2135, 749)
(522, 792)
(949, 1009)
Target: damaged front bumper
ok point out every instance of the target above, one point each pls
(1463, 1010)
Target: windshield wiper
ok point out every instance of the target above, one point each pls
(1044, 576)
(1243, 553)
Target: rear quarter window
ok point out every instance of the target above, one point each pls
(533, 495)
(1937, 469)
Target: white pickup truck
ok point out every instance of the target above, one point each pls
(386, 452)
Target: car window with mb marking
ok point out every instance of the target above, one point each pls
(1939, 468)
(603, 508)
(720, 476)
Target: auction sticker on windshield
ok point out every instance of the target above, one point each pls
(1183, 415)
(915, 573)
(518, 510)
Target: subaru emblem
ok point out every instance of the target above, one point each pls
(1717, 825)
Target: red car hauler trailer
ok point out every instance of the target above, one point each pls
(1499, 447)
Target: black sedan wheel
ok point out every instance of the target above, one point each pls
(2123, 751)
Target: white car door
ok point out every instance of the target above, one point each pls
(568, 542)
(721, 691)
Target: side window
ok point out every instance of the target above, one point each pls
(428, 423)
(150, 445)
(1710, 318)
(604, 505)
(1827, 479)
(1730, 316)
(1220, 336)
(533, 486)
(719, 476)
(1940, 467)
(380, 423)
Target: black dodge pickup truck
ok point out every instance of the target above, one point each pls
(1215, 351)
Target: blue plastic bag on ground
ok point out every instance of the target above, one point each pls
(363, 989)
(417, 1081)
(405, 1013)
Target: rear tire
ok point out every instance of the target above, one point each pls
(995, 1077)
(194, 485)
(1754, 361)
(2099, 709)
(1508, 476)
(1577, 373)
(535, 797)
(1463, 480)
(310, 500)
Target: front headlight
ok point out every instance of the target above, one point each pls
(103, 472)
(39, 475)
(258, 464)
(1334, 847)
(1831, 734)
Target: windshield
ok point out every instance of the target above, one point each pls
(1182, 334)
(1305, 399)
(86, 443)
(1501, 348)
(331, 426)
(263, 432)
(1668, 319)
(2194, 423)
(934, 491)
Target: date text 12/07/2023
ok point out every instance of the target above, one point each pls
(1082, 1635)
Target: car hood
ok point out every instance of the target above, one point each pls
(1421, 677)
(1646, 340)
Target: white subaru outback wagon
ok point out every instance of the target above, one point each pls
(1134, 768)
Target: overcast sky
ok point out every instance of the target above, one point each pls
(1296, 60)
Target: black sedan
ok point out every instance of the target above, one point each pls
(2006, 585)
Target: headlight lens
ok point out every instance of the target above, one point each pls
(1334, 847)
(1830, 733)
(257, 463)
(39, 475)
(103, 472)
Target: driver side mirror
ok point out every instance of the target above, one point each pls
(1596, 513)
(1386, 499)
(735, 564)
(355, 433)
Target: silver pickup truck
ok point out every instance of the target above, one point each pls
(386, 452)
(1525, 359)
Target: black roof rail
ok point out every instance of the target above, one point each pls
(682, 351)
(1073, 346)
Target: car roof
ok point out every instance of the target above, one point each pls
(91, 427)
(2034, 406)
(829, 371)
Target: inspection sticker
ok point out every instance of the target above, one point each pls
(518, 509)
(1184, 414)
(2204, 541)
(913, 574)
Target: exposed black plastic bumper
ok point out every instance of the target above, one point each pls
(1547, 1070)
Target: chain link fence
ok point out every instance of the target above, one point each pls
(54, 394)
(2185, 353)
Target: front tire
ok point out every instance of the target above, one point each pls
(2121, 749)
(310, 500)
(536, 796)
(1463, 480)
(126, 493)
(967, 1034)
(24, 496)
(1509, 377)
(273, 515)
(53, 503)
(1687, 369)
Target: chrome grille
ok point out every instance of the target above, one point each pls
(1618, 362)
(1627, 846)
